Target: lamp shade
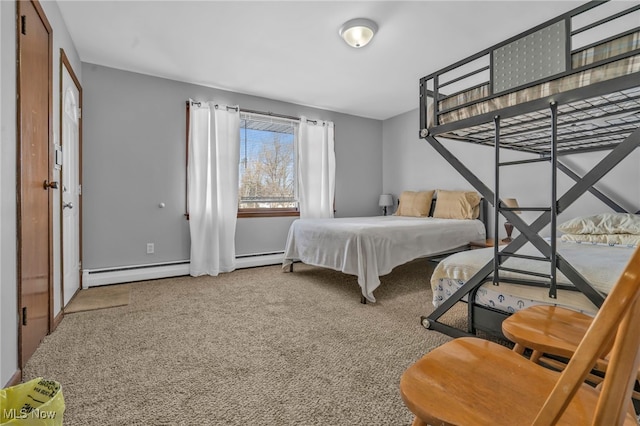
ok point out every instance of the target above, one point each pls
(358, 32)
(512, 203)
(385, 200)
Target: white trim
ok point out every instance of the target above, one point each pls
(125, 274)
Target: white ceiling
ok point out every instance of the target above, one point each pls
(291, 51)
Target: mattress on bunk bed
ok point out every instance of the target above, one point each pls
(583, 58)
(601, 265)
(581, 79)
(370, 247)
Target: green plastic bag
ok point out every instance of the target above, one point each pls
(37, 402)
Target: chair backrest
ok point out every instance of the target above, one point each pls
(619, 319)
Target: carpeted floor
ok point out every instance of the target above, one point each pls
(255, 346)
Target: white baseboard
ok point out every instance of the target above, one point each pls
(125, 274)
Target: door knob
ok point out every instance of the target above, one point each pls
(67, 205)
(48, 184)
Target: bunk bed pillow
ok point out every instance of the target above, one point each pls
(415, 204)
(603, 224)
(457, 205)
(624, 240)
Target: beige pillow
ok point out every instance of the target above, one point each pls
(627, 240)
(415, 204)
(457, 205)
(604, 223)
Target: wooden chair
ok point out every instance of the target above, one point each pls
(470, 381)
(546, 330)
(556, 331)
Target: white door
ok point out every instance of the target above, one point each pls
(71, 189)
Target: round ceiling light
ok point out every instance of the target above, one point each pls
(358, 32)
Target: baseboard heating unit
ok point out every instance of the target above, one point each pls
(125, 274)
(258, 259)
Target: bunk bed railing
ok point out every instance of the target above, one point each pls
(513, 65)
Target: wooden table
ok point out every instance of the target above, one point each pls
(489, 242)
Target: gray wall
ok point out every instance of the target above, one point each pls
(410, 163)
(134, 159)
(8, 146)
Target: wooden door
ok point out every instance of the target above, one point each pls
(34, 186)
(71, 100)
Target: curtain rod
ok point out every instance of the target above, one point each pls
(250, 111)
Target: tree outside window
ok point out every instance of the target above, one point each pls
(267, 166)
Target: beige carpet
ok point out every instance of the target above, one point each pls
(99, 298)
(256, 346)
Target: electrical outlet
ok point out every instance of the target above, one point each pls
(150, 248)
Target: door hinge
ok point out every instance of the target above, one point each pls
(79, 113)
(24, 315)
(23, 24)
(79, 189)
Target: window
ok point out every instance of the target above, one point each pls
(268, 180)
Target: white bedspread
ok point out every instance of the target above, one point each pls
(600, 265)
(369, 247)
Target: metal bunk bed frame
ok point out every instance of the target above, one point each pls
(503, 128)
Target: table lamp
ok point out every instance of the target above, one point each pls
(386, 200)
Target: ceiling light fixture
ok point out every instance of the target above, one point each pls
(358, 32)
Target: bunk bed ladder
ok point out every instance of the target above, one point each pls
(502, 255)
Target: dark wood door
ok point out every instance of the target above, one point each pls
(34, 218)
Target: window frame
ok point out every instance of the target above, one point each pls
(275, 211)
(268, 212)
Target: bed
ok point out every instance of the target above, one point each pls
(601, 264)
(370, 247)
(569, 85)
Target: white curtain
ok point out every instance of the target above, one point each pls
(214, 154)
(316, 168)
